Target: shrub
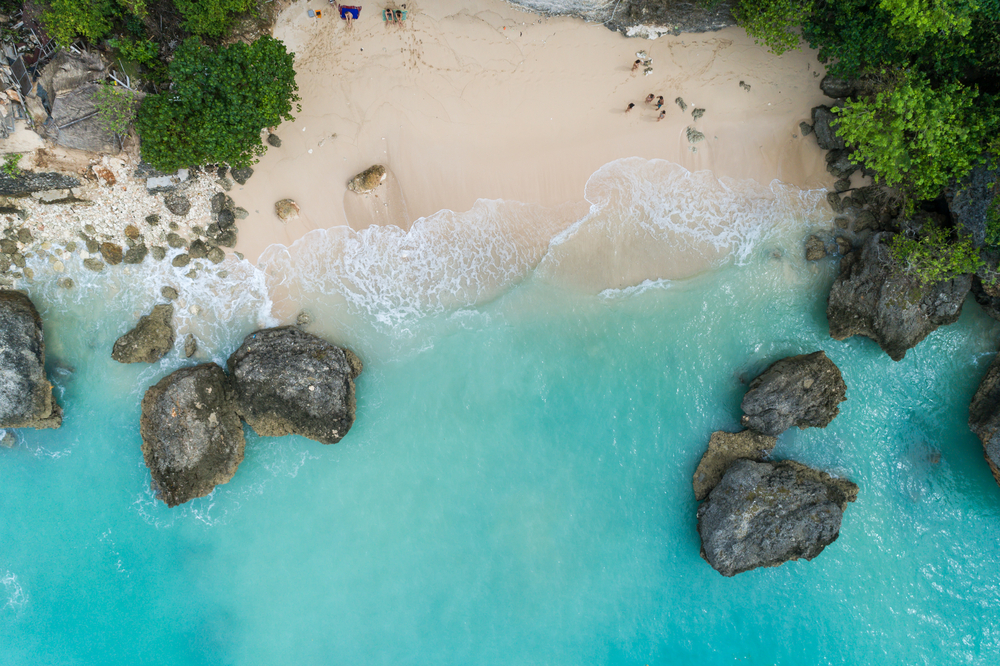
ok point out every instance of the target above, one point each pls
(219, 102)
(211, 18)
(772, 22)
(934, 256)
(914, 136)
(116, 108)
(142, 51)
(66, 20)
(10, 165)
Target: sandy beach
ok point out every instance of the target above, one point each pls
(480, 100)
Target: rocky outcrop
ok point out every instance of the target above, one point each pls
(836, 88)
(28, 182)
(290, 382)
(25, 393)
(150, 340)
(801, 391)
(838, 163)
(367, 180)
(725, 448)
(650, 18)
(823, 127)
(192, 439)
(984, 416)
(763, 514)
(873, 298)
(969, 201)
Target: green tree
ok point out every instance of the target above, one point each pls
(116, 109)
(934, 256)
(914, 136)
(773, 22)
(219, 102)
(66, 20)
(211, 18)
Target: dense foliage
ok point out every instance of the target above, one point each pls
(218, 104)
(927, 104)
(211, 18)
(935, 255)
(116, 108)
(68, 20)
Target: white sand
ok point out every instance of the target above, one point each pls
(477, 99)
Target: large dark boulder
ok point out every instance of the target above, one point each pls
(824, 123)
(873, 298)
(635, 17)
(25, 393)
(836, 88)
(192, 439)
(725, 448)
(984, 416)
(801, 391)
(763, 514)
(838, 163)
(150, 340)
(290, 382)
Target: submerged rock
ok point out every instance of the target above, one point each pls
(112, 253)
(874, 298)
(984, 416)
(367, 180)
(801, 391)
(763, 514)
(190, 346)
(151, 338)
(815, 248)
(725, 448)
(192, 439)
(25, 393)
(290, 382)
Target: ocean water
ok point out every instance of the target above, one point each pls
(516, 489)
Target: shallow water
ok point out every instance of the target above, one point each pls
(516, 489)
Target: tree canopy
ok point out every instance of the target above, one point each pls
(219, 102)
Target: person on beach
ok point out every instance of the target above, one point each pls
(631, 105)
(663, 114)
(635, 65)
(649, 98)
(659, 101)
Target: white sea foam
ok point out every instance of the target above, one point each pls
(13, 591)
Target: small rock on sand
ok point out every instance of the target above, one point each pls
(367, 180)
(286, 210)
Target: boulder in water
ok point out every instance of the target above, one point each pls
(801, 391)
(151, 338)
(25, 393)
(725, 448)
(367, 180)
(874, 298)
(192, 439)
(763, 514)
(290, 382)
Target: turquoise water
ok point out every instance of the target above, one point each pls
(516, 489)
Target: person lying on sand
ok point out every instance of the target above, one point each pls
(650, 97)
(635, 65)
(631, 105)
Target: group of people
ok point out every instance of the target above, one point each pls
(650, 98)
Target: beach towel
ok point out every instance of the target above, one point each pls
(349, 12)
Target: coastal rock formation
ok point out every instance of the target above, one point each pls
(290, 382)
(28, 181)
(192, 439)
(651, 18)
(838, 163)
(984, 416)
(969, 202)
(367, 180)
(837, 88)
(25, 394)
(823, 127)
(176, 203)
(286, 210)
(801, 391)
(241, 175)
(763, 514)
(871, 297)
(151, 338)
(815, 248)
(725, 448)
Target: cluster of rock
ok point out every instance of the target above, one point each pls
(26, 399)
(281, 381)
(760, 513)
(652, 18)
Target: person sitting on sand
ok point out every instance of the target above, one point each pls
(663, 114)
(649, 98)
(659, 101)
(631, 105)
